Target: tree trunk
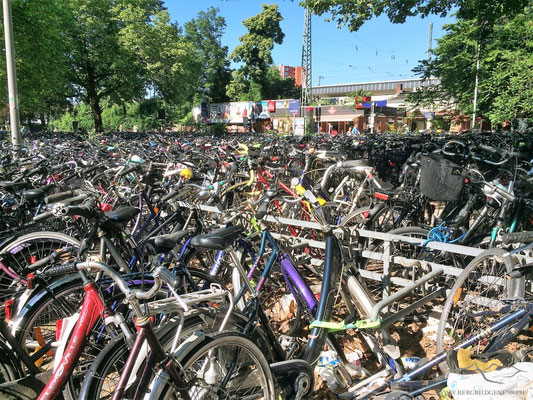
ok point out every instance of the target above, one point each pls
(97, 113)
(43, 121)
(94, 101)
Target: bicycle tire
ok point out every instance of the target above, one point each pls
(187, 356)
(455, 308)
(112, 358)
(19, 253)
(73, 288)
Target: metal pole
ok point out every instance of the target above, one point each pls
(11, 77)
(477, 83)
(372, 117)
(430, 40)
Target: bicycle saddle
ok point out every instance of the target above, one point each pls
(219, 239)
(165, 243)
(38, 194)
(122, 214)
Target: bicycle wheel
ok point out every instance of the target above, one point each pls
(37, 326)
(104, 373)
(482, 286)
(20, 253)
(225, 365)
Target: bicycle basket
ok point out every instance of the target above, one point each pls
(440, 179)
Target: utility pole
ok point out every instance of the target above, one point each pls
(11, 77)
(476, 88)
(430, 43)
(307, 84)
(430, 40)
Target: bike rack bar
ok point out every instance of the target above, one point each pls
(403, 292)
(412, 307)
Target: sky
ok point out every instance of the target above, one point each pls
(379, 51)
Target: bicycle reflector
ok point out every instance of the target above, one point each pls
(59, 328)
(29, 280)
(8, 307)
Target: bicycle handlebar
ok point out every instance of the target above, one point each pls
(518, 237)
(121, 283)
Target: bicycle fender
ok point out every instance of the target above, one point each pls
(30, 297)
(67, 327)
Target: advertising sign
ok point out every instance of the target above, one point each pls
(294, 106)
(299, 127)
(271, 106)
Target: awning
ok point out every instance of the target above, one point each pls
(342, 117)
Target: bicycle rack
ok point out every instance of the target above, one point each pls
(386, 257)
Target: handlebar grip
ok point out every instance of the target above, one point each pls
(42, 216)
(521, 271)
(490, 149)
(504, 193)
(168, 277)
(87, 212)
(518, 237)
(128, 170)
(54, 198)
(60, 270)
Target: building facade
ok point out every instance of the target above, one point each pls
(334, 108)
(293, 72)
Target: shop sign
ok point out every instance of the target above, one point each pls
(294, 106)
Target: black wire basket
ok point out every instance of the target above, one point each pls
(440, 179)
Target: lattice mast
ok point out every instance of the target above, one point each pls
(307, 83)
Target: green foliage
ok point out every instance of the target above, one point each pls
(41, 65)
(80, 113)
(205, 34)
(278, 87)
(505, 74)
(255, 52)
(354, 13)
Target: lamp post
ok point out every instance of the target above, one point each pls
(11, 77)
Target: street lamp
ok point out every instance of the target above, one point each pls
(320, 79)
(11, 77)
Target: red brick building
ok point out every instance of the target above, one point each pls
(294, 72)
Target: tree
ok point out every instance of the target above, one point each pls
(278, 87)
(255, 51)
(40, 61)
(505, 74)
(205, 34)
(355, 13)
(167, 60)
(100, 64)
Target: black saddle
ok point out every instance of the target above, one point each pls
(165, 243)
(38, 194)
(122, 214)
(219, 239)
(386, 187)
